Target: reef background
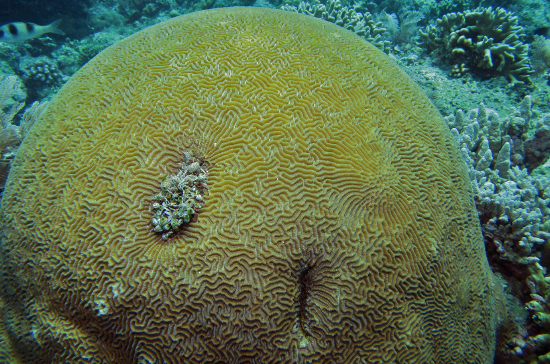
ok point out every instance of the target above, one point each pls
(499, 112)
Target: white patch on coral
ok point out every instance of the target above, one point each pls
(116, 289)
(101, 306)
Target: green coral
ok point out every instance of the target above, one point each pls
(333, 11)
(181, 196)
(485, 40)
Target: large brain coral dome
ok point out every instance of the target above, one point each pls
(337, 223)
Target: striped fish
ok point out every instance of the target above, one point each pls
(18, 31)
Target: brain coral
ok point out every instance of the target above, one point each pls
(338, 226)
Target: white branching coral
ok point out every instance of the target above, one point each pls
(334, 12)
(513, 203)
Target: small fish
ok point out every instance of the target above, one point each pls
(14, 32)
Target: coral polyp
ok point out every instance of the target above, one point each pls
(181, 196)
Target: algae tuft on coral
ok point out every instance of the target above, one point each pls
(181, 196)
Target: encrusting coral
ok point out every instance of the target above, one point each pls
(339, 228)
(484, 40)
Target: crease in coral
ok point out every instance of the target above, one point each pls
(317, 280)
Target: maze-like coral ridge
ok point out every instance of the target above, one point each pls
(322, 154)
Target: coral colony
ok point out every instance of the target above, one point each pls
(485, 60)
(291, 241)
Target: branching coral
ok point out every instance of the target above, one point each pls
(494, 148)
(514, 209)
(361, 24)
(485, 40)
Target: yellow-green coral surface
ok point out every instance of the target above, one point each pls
(338, 227)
